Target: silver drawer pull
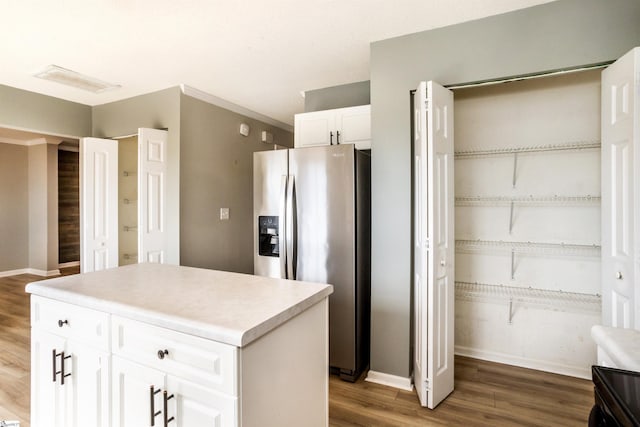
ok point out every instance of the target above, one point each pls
(61, 323)
(162, 353)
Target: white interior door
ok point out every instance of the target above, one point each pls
(434, 290)
(620, 225)
(98, 204)
(152, 195)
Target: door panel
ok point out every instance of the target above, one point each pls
(98, 204)
(433, 243)
(421, 242)
(194, 405)
(440, 277)
(130, 386)
(620, 196)
(152, 195)
(270, 169)
(313, 129)
(325, 215)
(47, 401)
(87, 390)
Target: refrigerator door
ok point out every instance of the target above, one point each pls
(269, 189)
(324, 209)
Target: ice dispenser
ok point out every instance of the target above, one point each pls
(268, 236)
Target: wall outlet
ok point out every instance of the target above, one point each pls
(224, 214)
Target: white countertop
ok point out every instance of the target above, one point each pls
(621, 345)
(227, 307)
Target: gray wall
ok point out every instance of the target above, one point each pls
(561, 34)
(20, 109)
(28, 177)
(157, 110)
(14, 207)
(348, 95)
(43, 207)
(217, 172)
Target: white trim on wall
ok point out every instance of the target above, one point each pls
(42, 273)
(69, 264)
(539, 365)
(389, 380)
(214, 100)
(47, 137)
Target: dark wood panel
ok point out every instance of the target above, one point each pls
(68, 206)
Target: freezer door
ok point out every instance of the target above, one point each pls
(324, 209)
(269, 177)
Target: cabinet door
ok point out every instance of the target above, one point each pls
(132, 400)
(87, 388)
(353, 126)
(47, 397)
(313, 129)
(193, 405)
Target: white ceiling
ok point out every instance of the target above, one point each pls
(257, 54)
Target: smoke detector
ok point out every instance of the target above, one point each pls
(74, 79)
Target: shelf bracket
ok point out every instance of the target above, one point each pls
(511, 218)
(515, 168)
(513, 263)
(510, 310)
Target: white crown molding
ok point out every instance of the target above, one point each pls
(214, 100)
(30, 142)
(48, 138)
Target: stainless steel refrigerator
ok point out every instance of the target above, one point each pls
(312, 222)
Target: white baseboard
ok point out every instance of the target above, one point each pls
(43, 273)
(33, 271)
(69, 264)
(390, 380)
(540, 365)
(13, 272)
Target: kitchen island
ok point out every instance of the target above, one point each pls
(159, 345)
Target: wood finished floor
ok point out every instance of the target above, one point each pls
(486, 394)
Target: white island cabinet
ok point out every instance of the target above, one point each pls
(159, 345)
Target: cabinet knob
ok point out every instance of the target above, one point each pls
(61, 323)
(163, 353)
(619, 275)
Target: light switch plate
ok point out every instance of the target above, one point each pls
(224, 213)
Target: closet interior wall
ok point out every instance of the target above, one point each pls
(68, 206)
(527, 185)
(128, 200)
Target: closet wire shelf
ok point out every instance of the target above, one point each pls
(530, 248)
(577, 145)
(544, 298)
(525, 200)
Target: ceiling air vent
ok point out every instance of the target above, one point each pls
(71, 78)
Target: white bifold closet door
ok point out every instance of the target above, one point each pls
(621, 192)
(99, 200)
(98, 204)
(434, 291)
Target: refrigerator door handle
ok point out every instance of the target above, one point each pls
(282, 244)
(291, 229)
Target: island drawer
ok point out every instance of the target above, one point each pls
(206, 362)
(71, 321)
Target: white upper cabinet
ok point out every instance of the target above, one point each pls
(351, 125)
